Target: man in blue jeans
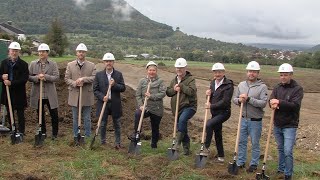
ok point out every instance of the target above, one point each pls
(80, 73)
(286, 99)
(254, 94)
(184, 83)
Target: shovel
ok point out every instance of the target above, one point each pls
(173, 153)
(262, 175)
(16, 138)
(201, 157)
(135, 144)
(233, 167)
(80, 138)
(3, 129)
(39, 137)
(100, 117)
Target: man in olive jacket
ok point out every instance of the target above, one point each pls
(154, 106)
(184, 83)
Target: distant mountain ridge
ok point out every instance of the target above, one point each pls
(291, 47)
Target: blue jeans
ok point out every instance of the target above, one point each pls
(252, 129)
(116, 126)
(183, 118)
(285, 138)
(86, 118)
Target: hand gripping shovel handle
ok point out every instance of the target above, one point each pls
(143, 107)
(205, 121)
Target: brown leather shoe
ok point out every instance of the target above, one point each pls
(118, 147)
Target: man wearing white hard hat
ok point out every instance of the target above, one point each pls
(81, 73)
(14, 73)
(154, 106)
(286, 100)
(45, 70)
(109, 76)
(253, 93)
(184, 83)
(220, 92)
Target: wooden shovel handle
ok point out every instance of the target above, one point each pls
(40, 102)
(143, 107)
(176, 115)
(238, 131)
(80, 107)
(205, 121)
(103, 109)
(269, 135)
(10, 107)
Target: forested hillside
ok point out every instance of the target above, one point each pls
(107, 16)
(113, 25)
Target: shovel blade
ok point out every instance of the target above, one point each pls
(16, 138)
(135, 147)
(80, 140)
(92, 141)
(262, 176)
(200, 161)
(39, 139)
(173, 154)
(233, 168)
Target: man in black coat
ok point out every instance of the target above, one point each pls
(14, 73)
(113, 107)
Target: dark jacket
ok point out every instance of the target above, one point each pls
(220, 99)
(188, 93)
(100, 87)
(290, 97)
(18, 84)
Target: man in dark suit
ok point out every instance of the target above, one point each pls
(113, 107)
(14, 73)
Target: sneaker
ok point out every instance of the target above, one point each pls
(218, 159)
(54, 137)
(252, 168)
(241, 166)
(132, 137)
(205, 152)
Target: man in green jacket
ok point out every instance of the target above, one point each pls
(154, 107)
(186, 85)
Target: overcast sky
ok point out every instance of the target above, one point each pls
(245, 21)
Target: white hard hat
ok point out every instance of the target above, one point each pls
(108, 57)
(15, 45)
(285, 67)
(218, 66)
(81, 47)
(151, 63)
(180, 62)
(43, 47)
(253, 65)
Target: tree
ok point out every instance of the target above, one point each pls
(56, 38)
